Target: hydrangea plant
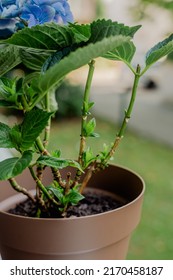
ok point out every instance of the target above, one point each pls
(39, 37)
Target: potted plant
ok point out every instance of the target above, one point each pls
(36, 52)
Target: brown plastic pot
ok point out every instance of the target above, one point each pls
(101, 236)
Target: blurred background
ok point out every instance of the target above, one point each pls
(148, 144)
(156, 87)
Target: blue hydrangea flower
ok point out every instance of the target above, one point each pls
(7, 28)
(10, 11)
(33, 12)
(11, 8)
(41, 11)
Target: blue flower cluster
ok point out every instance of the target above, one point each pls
(14, 13)
(10, 10)
(40, 11)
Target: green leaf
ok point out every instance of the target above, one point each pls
(10, 90)
(74, 196)
(33, 124)
(58, 192)
(9, 58)
(49, 36)
(77, 59)
(81, 33)
(7, 87)
(123, 53)
(89, 128)
(103, 154)
(106, 28)
(5, 139)
(16, 137)
(55, 58)
(12, 167)
(159, 50)
(88, 157)
(33, 58)
(101, 29)
(36, 44)
(90, 105)
(87, 106)
(7, 104)
(58, 162)
(56, 153)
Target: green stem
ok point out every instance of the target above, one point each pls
(42, 187)
(39, 193)
(47, 128)
(131, 104)
(145, 69)
(130, 66)
(41, 147)
(20, 189)
(87, 177)
(55, 172)
(85, 112)
(126, 117)
(85, 109)
(25, 104)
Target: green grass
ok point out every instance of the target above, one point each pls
(153, 238)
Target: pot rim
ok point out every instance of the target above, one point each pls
(128, 204)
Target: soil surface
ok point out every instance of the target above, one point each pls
(92, 204)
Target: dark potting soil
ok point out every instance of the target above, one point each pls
(90, 205)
